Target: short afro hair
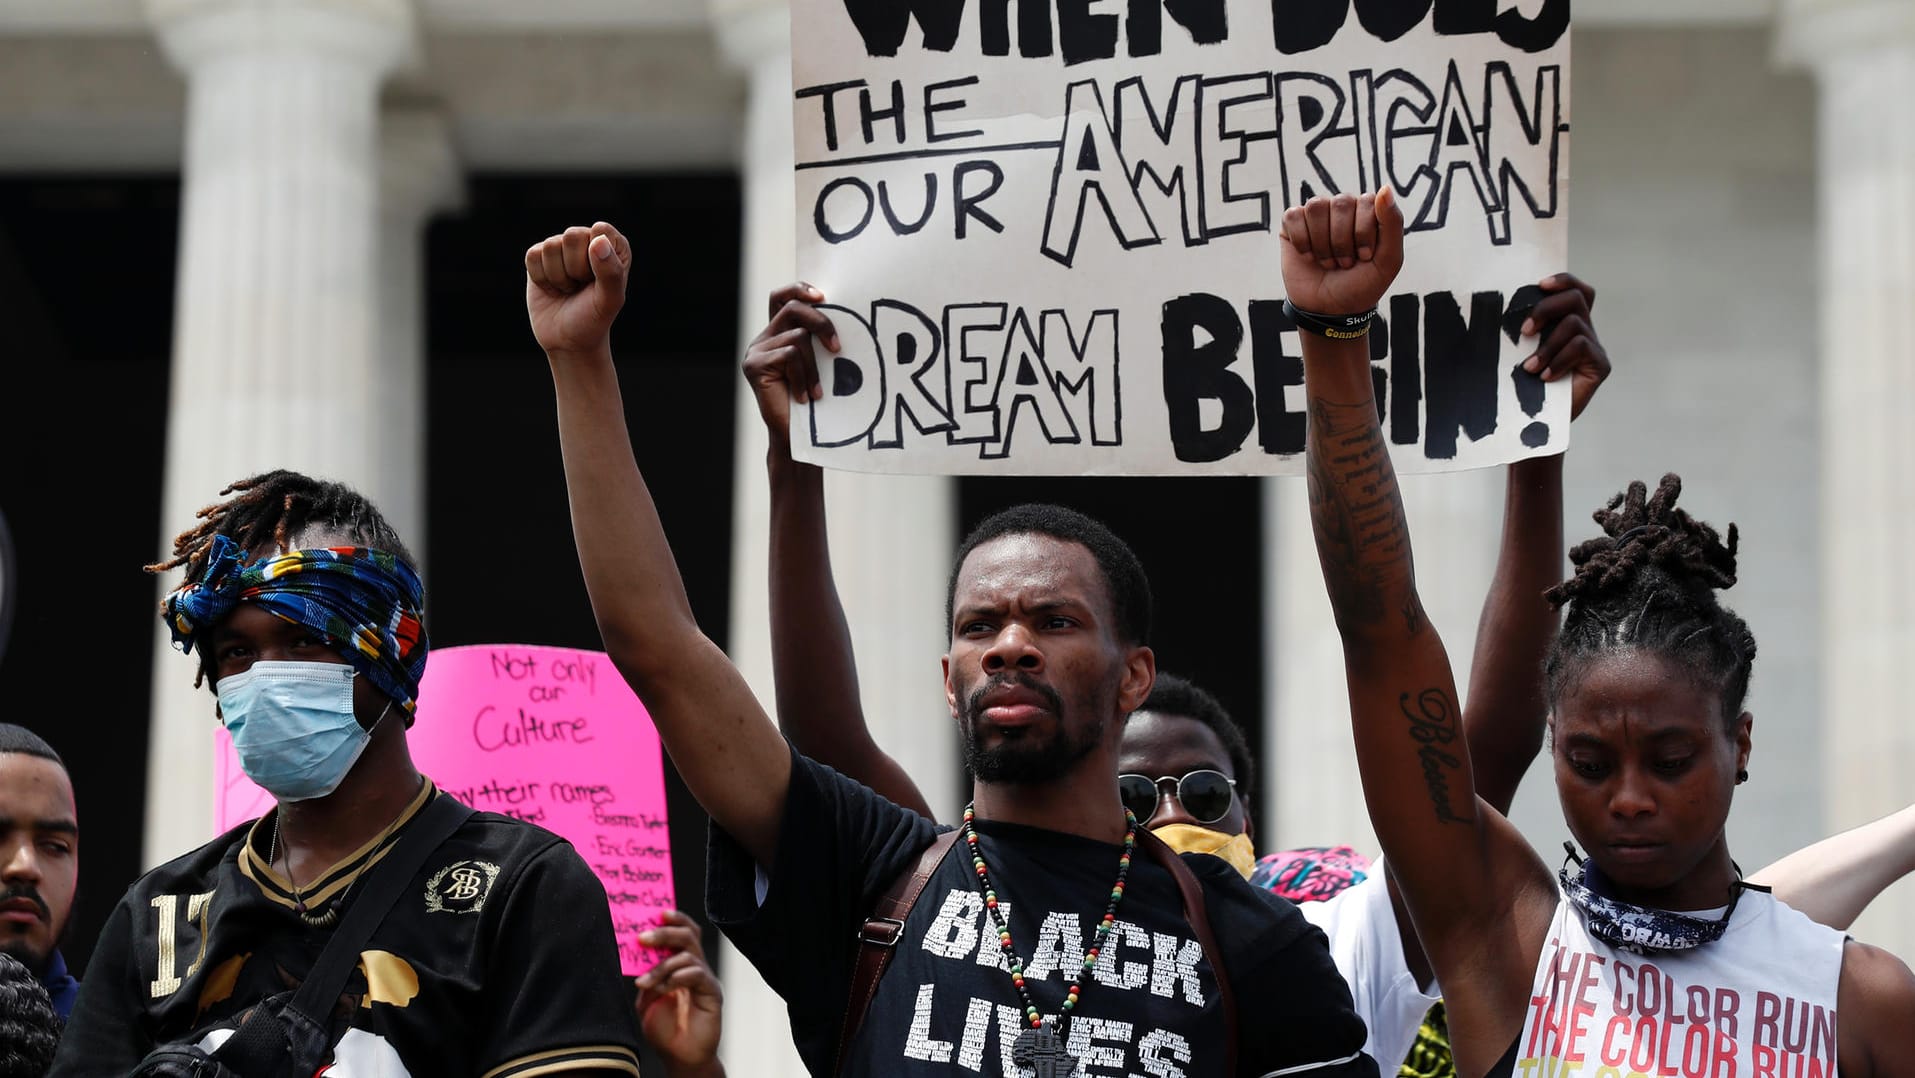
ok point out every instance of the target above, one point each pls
(22, 740)
(1123, 574)
(1172, 695)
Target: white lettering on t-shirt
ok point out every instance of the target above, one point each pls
(953, 932)
(919, 1044)
(1157, 1044)
(1112, 969)
(1086, 1033)
(1176, 960)
(1103, 1046)
(1060, 946)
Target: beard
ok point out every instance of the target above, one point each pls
(1031, 754)
(27, 955)
(17, 944)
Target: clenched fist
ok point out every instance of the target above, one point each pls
(1341, 254)
(575, 286)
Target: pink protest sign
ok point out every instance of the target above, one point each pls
(552, 736)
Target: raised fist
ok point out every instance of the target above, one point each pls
(1341, 254)
(574, 287)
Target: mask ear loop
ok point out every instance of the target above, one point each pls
(382, 714)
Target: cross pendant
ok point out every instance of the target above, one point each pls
(1043, 1052)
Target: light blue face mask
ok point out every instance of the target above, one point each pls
(293, 726)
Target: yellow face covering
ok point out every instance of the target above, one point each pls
(1186, 838)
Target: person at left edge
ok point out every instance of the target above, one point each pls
(39, 860)
(305, 613)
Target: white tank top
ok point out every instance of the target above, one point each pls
(1757, 1003)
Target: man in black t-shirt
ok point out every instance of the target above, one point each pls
(1040, 946)
(497, 959)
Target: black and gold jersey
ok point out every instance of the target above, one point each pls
(497, 961)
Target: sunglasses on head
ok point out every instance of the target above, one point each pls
(1206, 795)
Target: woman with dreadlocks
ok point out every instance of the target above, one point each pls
(496, 956)
(1650, 956)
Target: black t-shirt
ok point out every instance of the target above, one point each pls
(946, 1005)
(497, 959)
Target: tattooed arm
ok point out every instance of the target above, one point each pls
(1460, 865)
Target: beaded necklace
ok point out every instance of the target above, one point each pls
(1041, 1046)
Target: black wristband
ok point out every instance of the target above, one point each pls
(1337, 327)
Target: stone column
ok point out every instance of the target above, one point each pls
(275, 353)
(1312, 794)
(419, 178)
(1863, 56)
(892, 537)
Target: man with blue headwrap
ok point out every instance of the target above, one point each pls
(307, 618)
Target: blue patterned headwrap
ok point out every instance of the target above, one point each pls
(367, 603)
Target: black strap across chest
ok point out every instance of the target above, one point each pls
(261, 1039)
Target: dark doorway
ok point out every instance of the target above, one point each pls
(86, 279)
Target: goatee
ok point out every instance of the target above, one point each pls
(1029, 756)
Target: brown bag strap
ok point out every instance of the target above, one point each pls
(1199, 920)
(878, 936)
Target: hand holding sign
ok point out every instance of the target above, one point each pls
(1568, 346)
(575, 287)
(1341, 254)
(779, 364)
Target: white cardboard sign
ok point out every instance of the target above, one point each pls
(1046, 229)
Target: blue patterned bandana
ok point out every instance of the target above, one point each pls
(366, 603)
(1640, 929)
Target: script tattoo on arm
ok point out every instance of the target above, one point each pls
(1357, 511)
(1434, 727)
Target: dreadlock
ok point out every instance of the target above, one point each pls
(275, 506)
(1649, 583)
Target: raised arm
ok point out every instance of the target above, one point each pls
(1459, 863)
(1834, 880)
(1508, 704)
(1508, 707)
(812, 663)
(729, 753)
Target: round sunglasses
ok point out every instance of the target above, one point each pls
(1206, 795)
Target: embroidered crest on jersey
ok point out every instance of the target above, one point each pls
(460, 887)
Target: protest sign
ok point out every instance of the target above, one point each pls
(1046, 230)
(552, 736)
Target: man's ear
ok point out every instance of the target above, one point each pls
(950, 690)
(1140, 673)
(1744, 726)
